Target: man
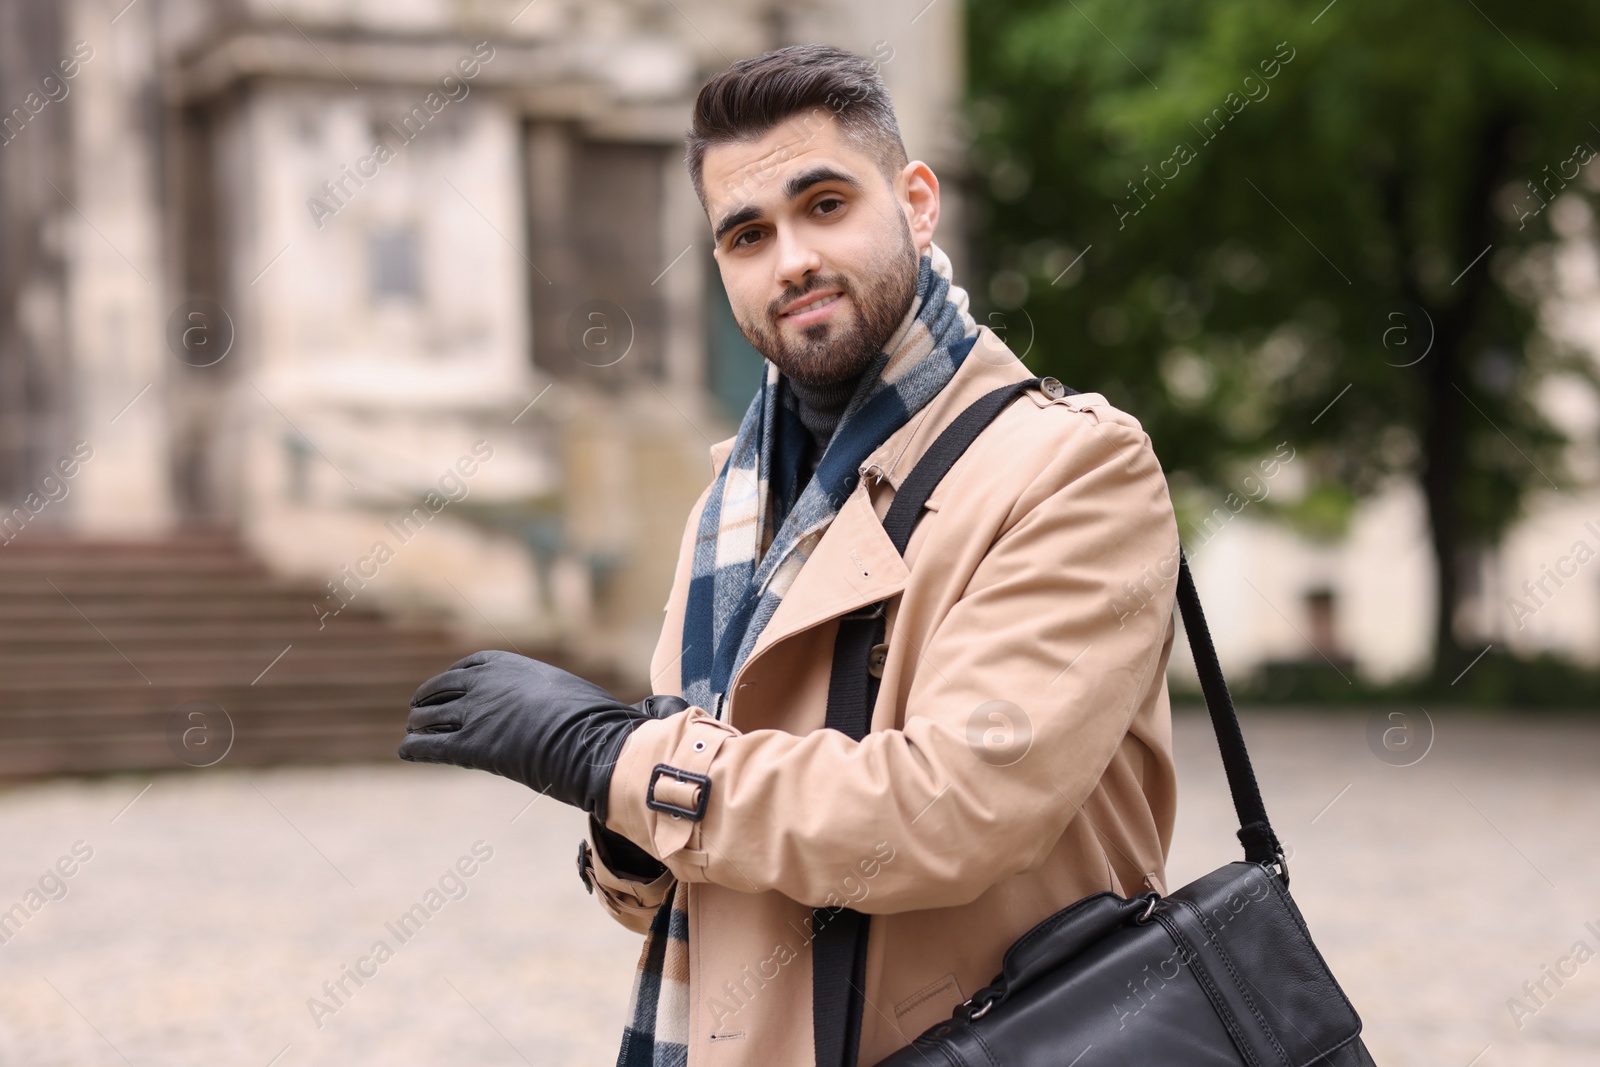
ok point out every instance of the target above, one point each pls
(1019, 756)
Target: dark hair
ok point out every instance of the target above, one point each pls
(748, 99)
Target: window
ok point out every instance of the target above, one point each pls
(393, 265)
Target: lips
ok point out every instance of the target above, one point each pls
(812, 308)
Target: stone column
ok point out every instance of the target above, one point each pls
(117, 287)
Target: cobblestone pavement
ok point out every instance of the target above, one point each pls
(1434, 890)
(214, 904)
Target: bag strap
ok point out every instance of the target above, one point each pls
(840, 941)
(1255, 831)
(852, 689)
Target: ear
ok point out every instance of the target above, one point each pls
(919, 198)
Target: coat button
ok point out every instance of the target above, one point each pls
(1053, 388)
(875, 660)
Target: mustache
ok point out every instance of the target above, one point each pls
(792, 293)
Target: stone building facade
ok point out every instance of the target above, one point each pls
(413, 296)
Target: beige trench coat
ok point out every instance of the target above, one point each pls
(1044, 578)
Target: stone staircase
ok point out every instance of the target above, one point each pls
(149, 655)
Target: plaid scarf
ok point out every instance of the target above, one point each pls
(757, 530)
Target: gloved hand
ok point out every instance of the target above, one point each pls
(522, 719)
(658, 706)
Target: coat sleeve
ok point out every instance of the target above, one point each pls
(629, 896)
(1018, 701)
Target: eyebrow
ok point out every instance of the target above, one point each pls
(816, 176)
(791, 189)
(736, 218)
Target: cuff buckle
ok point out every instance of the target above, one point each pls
(694, 814)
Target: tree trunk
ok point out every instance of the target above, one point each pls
(1445, 399)
(1442, 443)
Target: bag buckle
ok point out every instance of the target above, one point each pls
(990, 999)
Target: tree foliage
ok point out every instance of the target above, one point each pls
(1250, 223)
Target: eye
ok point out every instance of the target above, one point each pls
(828, 205)
(739, 238)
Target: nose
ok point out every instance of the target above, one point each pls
(796, 261)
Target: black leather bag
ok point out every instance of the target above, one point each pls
(1220, 972)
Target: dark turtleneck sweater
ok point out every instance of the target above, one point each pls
(820, 407)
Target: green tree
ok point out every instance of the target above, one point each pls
(1323, 228)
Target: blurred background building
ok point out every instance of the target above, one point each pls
(399, 308)
(339, 338)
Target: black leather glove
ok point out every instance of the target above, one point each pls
(659, 706)
(522, 719)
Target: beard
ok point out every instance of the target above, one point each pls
(834, 351)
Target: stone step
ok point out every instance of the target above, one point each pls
(157, 609)
(359, 681)
(121, 585)
(43, 634)
(264, 711)
(103, 644)
(305, 644)
(327, 742)
(302, 662)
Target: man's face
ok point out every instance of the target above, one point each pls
(818, 250)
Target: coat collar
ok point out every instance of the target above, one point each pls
(855, 564)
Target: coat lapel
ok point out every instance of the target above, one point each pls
(855, 563)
